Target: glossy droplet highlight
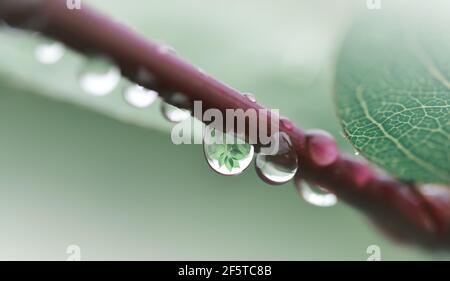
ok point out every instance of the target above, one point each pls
(315, 195)
(356, 152)
(139, 96)
(286, 124)
(225, 153)
(99, 77)
(49, 53)
(250, 97)
(278, 164)
(174, 114)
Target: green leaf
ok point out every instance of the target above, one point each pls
(222, 159)
(393, 90)
(229, 163)
(218, 150)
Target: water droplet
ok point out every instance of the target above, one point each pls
(280, 165)
(315, 195)
(201, 71)
(174, 114)
(49, 53)
(99, 77)
(250, 97)
(226, 154)
(139, 96)
(356, 152)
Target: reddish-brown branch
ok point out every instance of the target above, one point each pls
(416, 215)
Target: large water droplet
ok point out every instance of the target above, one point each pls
(174, 114)
(279, 165)
(315, 195)
(139, 96)
(49, 53)
(99, 77)
(226, 154)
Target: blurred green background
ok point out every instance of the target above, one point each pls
(100, 174)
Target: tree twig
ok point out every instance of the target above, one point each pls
(419, 215)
